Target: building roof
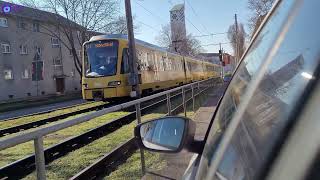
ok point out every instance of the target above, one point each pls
(177, 7)
(35, 14)
(209, 54)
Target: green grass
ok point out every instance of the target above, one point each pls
(28, 119)
(69, 165)
(132, 167)
(17, 152)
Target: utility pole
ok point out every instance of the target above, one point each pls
(133, 76)
(237, 46)
(221, 60)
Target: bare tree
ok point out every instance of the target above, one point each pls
(237, 39)
(119, 26)
(164, 38)
(177, 43)
(259, 9)
(76, 21)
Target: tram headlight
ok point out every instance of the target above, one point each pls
(114, 83)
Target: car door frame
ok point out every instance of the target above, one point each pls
(192, 170)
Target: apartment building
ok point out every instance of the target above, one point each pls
(33, 62)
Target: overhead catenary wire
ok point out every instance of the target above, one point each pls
(196, 14)
(147, 25)
(150, 12)
(216, 44)
(211, 34)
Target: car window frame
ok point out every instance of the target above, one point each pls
(236, 71)
(295, 112)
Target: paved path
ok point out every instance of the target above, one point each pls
(177, 163)
(26, 111)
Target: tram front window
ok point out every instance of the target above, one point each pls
(101, 58)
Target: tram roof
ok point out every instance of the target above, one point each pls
(125, 37)
(139, 42)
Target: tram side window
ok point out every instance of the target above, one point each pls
(150, 61)
(170, 64)
(189, 66)
(125, 62)
(204, 68)
(174, 62)
(180, 61)
(163, 58)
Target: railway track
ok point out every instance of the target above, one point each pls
(22, 127)
(34, 124)
(45, 112)
(26, 165)
(109, 162)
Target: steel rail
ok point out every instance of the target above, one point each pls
(44, 112)
(26, 165)
(105, 165)
(15, 129)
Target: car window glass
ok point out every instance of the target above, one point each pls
(250, 65)
(275, 98)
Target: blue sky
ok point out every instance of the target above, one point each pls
(208, 16)
(211, 16)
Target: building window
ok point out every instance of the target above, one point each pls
(38, 50)
(23, 49)
(70, 52)
(37, 71)
(21, 23)
(57, 61)
(80, 53)
(78, 35)
(36, 26)
(55, 42)
(6, 48)
(3, 22)
(72, 72)
(8, 75)
(25, 74)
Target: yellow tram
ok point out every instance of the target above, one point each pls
(106, 68)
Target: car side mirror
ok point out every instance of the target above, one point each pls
(168, 134)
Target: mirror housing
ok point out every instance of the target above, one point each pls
(168, 134)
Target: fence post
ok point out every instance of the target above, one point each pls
(193, 100)
(138, 115)
(40, 161)
(169, 104)
(184, 102)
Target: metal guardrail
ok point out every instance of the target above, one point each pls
(27, 164)
(110, 161)
(38, 134)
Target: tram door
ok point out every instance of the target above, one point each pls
(60, 85)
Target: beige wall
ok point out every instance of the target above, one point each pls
(19, 87)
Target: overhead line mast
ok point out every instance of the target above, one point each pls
(133, 77)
